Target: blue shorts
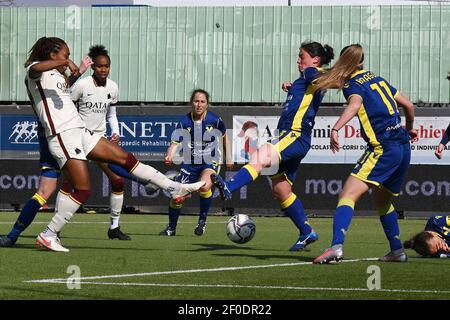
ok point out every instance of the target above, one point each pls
(291, 148)
(190, 173)
(384, 165)
(49, 166)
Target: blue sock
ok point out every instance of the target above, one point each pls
(26, 216)
(243, 177)
(174, 213)
(121, 171)
(388, 218)
(342, 219)
(205, 204)
(294, 209)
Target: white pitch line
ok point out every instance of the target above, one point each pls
(249, 287)
(122, 222)
(190, 271)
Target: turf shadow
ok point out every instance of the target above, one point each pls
(67, 293)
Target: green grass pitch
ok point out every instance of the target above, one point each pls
(211, 266)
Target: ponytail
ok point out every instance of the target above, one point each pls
(336, 77)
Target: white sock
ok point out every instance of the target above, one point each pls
(115, 203)
(66, 208)
(149, 174)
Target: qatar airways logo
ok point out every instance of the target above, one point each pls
(24, 132)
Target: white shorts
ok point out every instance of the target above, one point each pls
(74, 143)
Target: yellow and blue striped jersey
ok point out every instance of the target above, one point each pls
(302, 104)
(440, 225)
(378, 116)
(200, 137)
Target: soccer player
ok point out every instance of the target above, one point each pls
(70, 142)
(442, 143)
(50, 173)
(96, 97)
(201, 136)
(434, 241)
(292, 145)
(383, 165)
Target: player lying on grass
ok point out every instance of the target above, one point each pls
(434, 241)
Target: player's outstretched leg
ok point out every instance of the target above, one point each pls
(221, 185)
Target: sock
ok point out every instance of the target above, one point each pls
(388, 218)
(26, 216)
(174, 213)
(294, 209)
(115, 202)
(121, 171)
(148, 174)
(342, 219)
(66, 206)
(243, 177)
(205, 204)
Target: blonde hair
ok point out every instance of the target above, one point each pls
(350, 61)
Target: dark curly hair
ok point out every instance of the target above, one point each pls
(98, 50)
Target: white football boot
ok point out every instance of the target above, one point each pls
(52, 243)
(182, 190)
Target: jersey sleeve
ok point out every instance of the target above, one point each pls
(436, 223)
(115, 95)
(76, 91)
(446, 136)
(28, 71)
(310, 74)
(351, 89)
(177, 137)
(221, 126)
(394, 90)
(111, 117)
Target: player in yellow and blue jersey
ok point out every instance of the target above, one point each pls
(283, 155)
(434, 241)
(200, 133)
(383, 165)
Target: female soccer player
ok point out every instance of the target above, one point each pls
(434, 241)
(70, 142)
(96, 97)
(286, 152)
(383, 166)
(203, 130)
(50, 173)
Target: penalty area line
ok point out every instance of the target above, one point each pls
(157, 273)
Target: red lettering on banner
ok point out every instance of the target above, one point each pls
(430, 133)
(349, 131)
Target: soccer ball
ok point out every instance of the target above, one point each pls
(240, 228)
